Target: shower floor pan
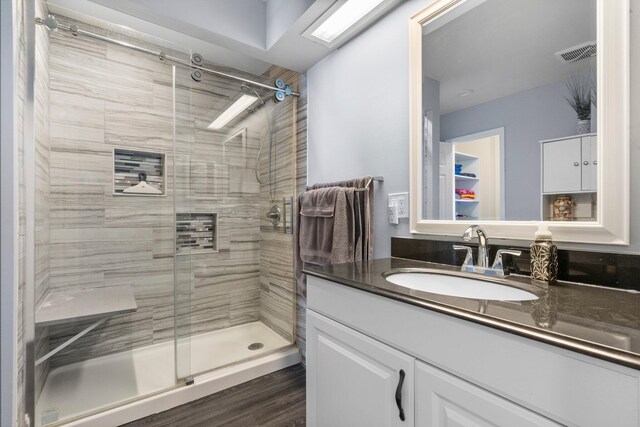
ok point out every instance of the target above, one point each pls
(83, 387)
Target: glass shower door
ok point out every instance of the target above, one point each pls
(185, 227)
(105, 291)
(240, 265)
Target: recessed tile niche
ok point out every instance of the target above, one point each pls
(127, 166)
(196, 233)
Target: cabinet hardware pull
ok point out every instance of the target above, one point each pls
(595, 162)
(576, 164)
(399, 395)
(586, 163)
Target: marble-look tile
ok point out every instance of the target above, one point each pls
(277, 285)
(77, 205)
(138, 127)
(80, 167)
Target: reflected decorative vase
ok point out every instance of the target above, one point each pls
(584, 126)
(563, 208)
(544, 310)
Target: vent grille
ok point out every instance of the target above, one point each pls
(577, 53)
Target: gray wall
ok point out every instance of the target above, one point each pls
(527, 117)
(359, 116)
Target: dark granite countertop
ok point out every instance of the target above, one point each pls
(596, 321)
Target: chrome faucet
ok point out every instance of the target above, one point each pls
(483, 249)
(482, 265)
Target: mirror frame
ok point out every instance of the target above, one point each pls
(613, 77)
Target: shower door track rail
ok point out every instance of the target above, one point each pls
(74, 30)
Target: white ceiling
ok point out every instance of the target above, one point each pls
(501, 47)
(249, 35)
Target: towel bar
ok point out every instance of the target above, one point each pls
(373, 178)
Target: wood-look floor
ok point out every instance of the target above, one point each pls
(274, 400)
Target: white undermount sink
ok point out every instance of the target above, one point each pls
(457, 285)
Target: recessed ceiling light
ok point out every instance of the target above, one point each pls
(230, 113)
(465, 92)
(344, 17)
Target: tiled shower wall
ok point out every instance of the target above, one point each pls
(104, 96)
(41, 112)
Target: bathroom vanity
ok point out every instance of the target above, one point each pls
(383, 355)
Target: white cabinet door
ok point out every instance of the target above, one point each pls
(589, 163)
(561, 166)
(445, 400)
(353, 380)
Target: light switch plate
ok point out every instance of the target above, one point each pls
(402, 202)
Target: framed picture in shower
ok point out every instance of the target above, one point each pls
(139, 173)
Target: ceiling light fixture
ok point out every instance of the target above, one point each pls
(465, 92)
(230, 113)
(343, 18)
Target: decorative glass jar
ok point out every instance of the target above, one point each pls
(563, 207)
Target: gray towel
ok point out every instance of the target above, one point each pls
(316, 224)
(326, 232)
(364, 235)
(345, 236)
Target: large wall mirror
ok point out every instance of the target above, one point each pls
(519, 114)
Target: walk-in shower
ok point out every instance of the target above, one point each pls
(154, 259)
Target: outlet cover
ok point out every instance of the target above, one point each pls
(402, 201)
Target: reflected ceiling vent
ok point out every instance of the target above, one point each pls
(577, 53)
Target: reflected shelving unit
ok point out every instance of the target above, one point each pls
(466, 209)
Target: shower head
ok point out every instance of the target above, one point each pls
(250, 90)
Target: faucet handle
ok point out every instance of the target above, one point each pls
(468, 259)
(497, 262)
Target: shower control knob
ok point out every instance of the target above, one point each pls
(279, 84)
(279, 96)
(274, 214)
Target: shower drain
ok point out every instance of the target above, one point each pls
(255, 346)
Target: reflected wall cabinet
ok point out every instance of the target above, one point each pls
(569, 167)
